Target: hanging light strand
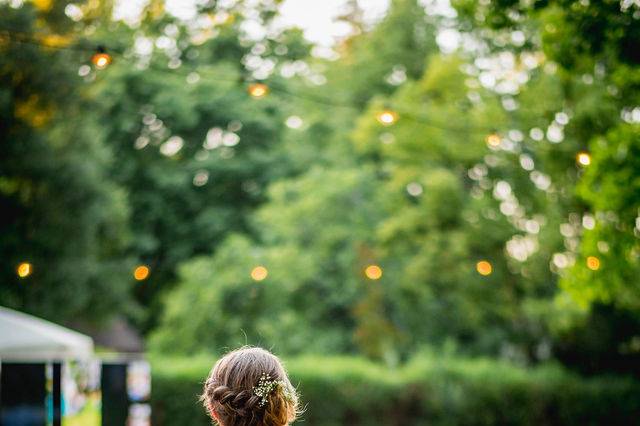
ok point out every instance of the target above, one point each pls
(105, 57)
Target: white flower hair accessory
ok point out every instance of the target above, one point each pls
(266, 385)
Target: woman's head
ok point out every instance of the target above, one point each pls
(248, 387)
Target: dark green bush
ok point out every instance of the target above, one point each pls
(427, 391)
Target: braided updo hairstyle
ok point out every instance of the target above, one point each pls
(229, 392)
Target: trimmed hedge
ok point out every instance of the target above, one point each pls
(426, 391)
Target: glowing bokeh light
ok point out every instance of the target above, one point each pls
(414, 189)
(201, 178)
(101, 60)
(294, 122)
(258, 90)
(387, 117)
(583, 158)
(259, 273)
(24, 269)
(493, 140)
(484, 268)
(373, 272)
(141, 273)
(593, 263)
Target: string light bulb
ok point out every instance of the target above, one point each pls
(593, 263)
(373, 272)
(258, 90)
(387, 117)
(583, 158)
(259, 273)
(141, 272)
(24, 269)
(101, 59)
(493, 140)
(484, 268)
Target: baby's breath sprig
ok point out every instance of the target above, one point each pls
(289, 394)
(266, 385)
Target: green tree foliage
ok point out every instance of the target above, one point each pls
(194, 151)
(590, 45)
(500, 202)
(61, 212)
(322, 232)
(178, 153)
(611, 188)
(382, 58)
(440, 197)
(316, 241)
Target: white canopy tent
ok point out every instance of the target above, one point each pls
(26, 338)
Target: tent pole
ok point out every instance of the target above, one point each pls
(57, 394)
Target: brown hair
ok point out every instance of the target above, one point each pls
(229, 394)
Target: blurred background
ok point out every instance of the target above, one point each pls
(429, 209)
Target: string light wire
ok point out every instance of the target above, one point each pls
(273, 86)
(41, 40)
